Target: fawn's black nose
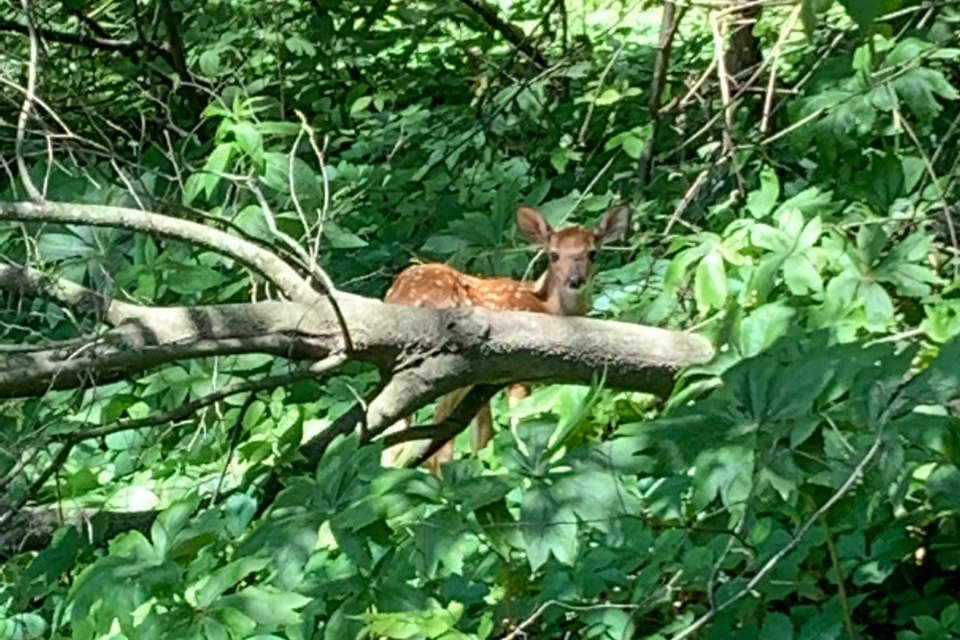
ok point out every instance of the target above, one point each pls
(575, 281)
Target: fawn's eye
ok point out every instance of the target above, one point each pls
(592, 256)
(554, 256)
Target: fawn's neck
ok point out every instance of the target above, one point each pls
(559, 300)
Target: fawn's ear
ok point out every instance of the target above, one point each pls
(533, 226)
(612, 224)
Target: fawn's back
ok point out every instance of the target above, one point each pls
(441, 286)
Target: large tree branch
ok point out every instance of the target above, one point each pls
(431, 352)
(37, 284)
(34, 528)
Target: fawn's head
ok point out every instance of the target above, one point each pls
(572, 252)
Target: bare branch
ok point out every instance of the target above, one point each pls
(670, 20)
(37, 284)
(256, 258)
(510, 32)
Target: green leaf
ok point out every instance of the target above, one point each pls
(550, 527)
(943, 320)
(249, 140)
(189, 280)
(239, 511)
(226, 578)
(300, 46)
(763, 327)
(216, 164)
(769, 238)
(878, 305)
(762, 201)
(210, 63)
(360, 104)
(278, 128)
(168, 525)
(267, 607)
(340, 238)
(608, 97)
(810, 234)
(726, 472)
(710, 284)
(440, 538)
(22, 626)
(801, 276)
(633, 147)
(865, 12)
(919, 88)
(913, 170)
(562, 157)
(608, 624)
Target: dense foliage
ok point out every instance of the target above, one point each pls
(793, 200)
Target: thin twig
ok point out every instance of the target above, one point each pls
(724, 79)
(321, 155)
(841, 588)
(772, 85)
(293, 186)
(581, 137)
(928, 165)
(27, 106)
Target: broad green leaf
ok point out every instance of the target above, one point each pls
(269, 608)
(866, 11)
(878, 305)
(608, 97)
(800, 276)
(942, 320)
(810, 235)
(300, 46)
(769, 238)
(171, 522)
(440, 539)
(238, 511)
(763, 326)
(727, 473)
(216, 164)
(210, 63)
(226, 578)
(340, 238)
(360, 104)
(249, 140)
(550, 526)
(762, 201)
(710, 285)
(23, 626)
(633, 147)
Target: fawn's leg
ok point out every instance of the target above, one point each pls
(516, 393)
(482, 432)
(392, 455)
(444, 408)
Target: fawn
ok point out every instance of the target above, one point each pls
(564, 290)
